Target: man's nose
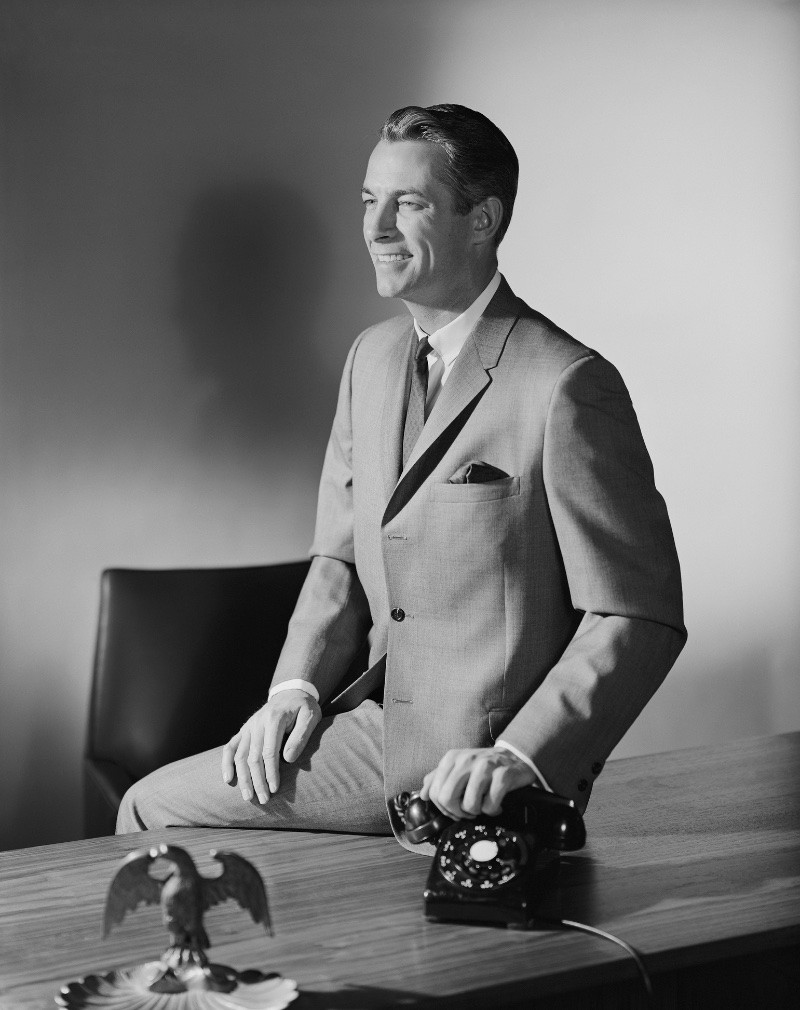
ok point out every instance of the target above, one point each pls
(381, 222)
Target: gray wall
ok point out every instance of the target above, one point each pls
(182, 273)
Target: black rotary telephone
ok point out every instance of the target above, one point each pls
(493, 869)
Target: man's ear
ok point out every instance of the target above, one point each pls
(487, 217)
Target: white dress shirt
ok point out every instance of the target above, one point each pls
(447, 341)
(446, 344)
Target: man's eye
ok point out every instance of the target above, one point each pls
(407, 203)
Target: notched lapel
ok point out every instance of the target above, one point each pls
(495, 324)
(466, 383)
(466, 380)
(394, 402)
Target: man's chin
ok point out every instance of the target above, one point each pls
(388, 290)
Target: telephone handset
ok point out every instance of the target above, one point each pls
(493, 869)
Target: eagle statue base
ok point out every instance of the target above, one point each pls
(184, 978)
(143, 988)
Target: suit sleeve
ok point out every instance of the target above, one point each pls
(331, 620)
(622, 571)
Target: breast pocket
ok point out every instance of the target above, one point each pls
(491, 490)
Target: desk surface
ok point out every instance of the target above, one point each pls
(692, 856)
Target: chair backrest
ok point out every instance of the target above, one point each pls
(183, 657)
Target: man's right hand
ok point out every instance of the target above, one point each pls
(251, 758)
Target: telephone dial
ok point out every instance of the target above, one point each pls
(493, 869)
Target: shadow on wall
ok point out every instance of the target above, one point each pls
(251, 272)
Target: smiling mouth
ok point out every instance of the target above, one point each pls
(391, 257)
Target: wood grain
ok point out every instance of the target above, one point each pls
(693, 856)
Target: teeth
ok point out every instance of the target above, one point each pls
(393, 258)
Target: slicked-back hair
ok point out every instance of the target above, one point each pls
(479, 159)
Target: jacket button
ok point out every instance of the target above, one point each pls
(583, 786)
(398, 614)
(597, 767)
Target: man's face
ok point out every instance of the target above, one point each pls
(421, 249)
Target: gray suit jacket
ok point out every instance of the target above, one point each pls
(544, 606)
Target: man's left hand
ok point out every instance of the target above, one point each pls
(474, 780)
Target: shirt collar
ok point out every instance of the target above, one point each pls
(448, 340)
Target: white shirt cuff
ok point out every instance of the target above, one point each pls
(295, 685)
(505, 745)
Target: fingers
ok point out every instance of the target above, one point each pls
(255, 765)
(236, 762)
(475, 780)
(251, 758)
(304, 725)
(228, 770)
(503, 781)
(277, 721)
(241, 761)
(476, 790)
(445, 785)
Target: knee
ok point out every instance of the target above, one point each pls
(140, 808)
(129, 814)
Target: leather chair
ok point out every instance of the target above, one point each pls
(183, 657)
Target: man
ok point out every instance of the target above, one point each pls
(487, 518)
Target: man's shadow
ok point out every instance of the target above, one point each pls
(251, 268)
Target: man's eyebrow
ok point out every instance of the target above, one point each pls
(398, 192)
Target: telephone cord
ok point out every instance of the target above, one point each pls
(595, 931)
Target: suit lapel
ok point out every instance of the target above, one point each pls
(459, 396)
(466, 381)
(398, 377)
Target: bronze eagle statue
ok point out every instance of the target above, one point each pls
(184, 896)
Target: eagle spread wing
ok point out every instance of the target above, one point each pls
(131, 885)
(239, 880)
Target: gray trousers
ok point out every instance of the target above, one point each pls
(336, 785)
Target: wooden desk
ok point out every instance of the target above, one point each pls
(693, 857)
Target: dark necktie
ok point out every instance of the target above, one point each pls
(415, 413)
